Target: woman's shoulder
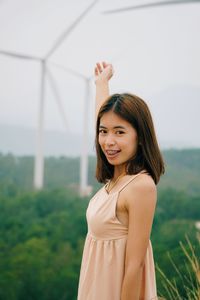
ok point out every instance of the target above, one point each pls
(142, 187)
(143, 181)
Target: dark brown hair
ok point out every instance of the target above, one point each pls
(148, 156)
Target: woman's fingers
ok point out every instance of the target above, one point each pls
(99, 67)
(96, 71)
(104, 64)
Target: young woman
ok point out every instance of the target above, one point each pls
(117, 261)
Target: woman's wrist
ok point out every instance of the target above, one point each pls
(101, 81)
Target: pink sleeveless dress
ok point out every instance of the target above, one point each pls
(102, 268)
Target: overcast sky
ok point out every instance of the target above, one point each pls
(155, 53)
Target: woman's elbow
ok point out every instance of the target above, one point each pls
(135, 266)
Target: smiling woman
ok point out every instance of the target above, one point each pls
(125, 126)
(117, 261)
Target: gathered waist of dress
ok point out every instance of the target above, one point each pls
(90, 235)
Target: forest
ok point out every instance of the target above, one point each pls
(42, 233)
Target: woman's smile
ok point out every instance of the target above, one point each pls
(111, 154)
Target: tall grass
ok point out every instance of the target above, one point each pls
(190, 278)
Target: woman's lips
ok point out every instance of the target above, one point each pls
(112, 153)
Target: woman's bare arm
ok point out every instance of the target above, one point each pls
(103, 73)
(140, 199)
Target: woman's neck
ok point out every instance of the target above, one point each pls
(118, 171)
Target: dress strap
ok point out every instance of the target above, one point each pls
(131, 179)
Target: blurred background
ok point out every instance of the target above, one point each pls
(48, 51)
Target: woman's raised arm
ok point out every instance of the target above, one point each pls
(103, 73)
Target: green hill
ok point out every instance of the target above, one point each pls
(182, 171)
(42, 233)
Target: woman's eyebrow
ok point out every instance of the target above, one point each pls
(115, 127)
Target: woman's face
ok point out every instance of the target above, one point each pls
(117, 138)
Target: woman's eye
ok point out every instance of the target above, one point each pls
(102, 131)
(120, 132)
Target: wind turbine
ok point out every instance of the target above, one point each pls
(39, 162)
(84, 188)
(150, 5)
(39, 158)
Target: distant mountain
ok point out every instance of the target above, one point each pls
(175, 112)
(22, 141)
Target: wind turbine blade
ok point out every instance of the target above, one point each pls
(39, 158)
(58, 98)
(150, 5)
(66, 33)
(19, 55)
(68, 70)
(84, 151)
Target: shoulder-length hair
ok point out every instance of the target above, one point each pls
(148, 156)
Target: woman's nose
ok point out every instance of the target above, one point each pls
(110, 140)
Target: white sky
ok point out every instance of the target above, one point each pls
(155, 53)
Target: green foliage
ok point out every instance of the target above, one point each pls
(182, 170)
(188, 287)
(42, 236)
(42, 233)
(176, 216)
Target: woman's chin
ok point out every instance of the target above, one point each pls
(115, 162)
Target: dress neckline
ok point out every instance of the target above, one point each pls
(129, 180)
(108, 192)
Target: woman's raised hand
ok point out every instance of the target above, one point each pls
(103, 72)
